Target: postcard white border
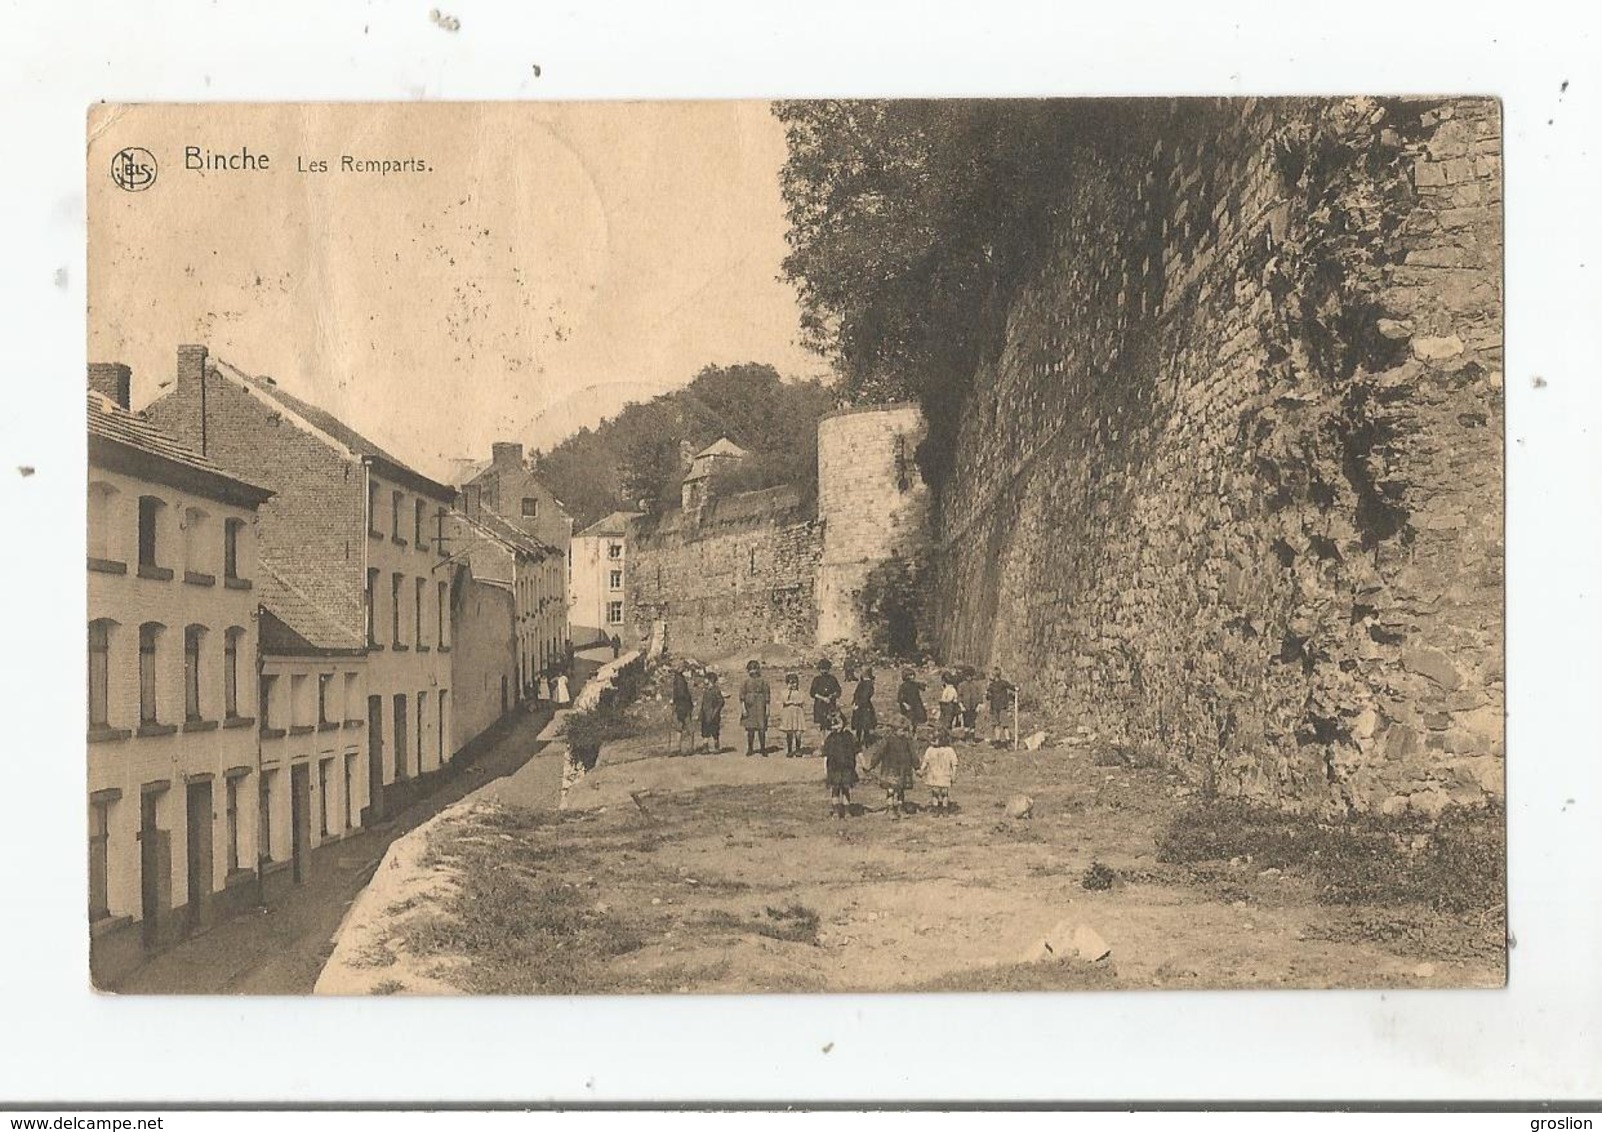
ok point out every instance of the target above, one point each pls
(1540, 1038)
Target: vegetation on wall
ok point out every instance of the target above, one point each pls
(891, 606)
(911, 222)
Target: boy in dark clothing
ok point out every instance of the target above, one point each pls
(970, 693)
(894, 760)
(840, 766)
(1002, 695)
(909, 698)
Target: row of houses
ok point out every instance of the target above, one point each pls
(291, 633)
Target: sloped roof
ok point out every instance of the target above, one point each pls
(293, 624)
(614, 525)
(325, 422)
(723, 446)
(133, 432)
(490, 525)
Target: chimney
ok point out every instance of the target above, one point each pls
(504, 454)
(191, 365)
(113, 379)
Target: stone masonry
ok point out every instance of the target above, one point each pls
(1232, 493)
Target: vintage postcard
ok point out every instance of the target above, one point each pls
(580, 548)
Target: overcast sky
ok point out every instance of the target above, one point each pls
(557, 261)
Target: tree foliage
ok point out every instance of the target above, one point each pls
(640, 454)
(910, 224)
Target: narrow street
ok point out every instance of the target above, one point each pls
(280, 949)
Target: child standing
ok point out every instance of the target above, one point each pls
(1002, 696)
(909, 699)
(683, 708)
(938, 768)
(950, 702)
(840, 766)
(712, 714)
(972, 693)
(754, 696)
(894, 761)
(792, 716)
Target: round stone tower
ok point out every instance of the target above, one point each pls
(873, 504)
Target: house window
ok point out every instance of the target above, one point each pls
(99, 673)
(324, 773)
(444, 616)
(264, 819)
(325, 681)
(422, 707)
(753, 561)
(196, 531)
(396, 500)
(417, 526)
(372, 608)
(297, 701)
(231, 672)
(531, 507)
(192, 636)
(372, 508)
(231, 530)
(351, 698)
(350, 778)
(614, 550)
(231, 813)
(150, 509)
(439, 532)
(422, 585)
(99, 860)
(395, 609)
(614, 613)
(265, 706)
(102, 529)
(615, 580)
(149, 634)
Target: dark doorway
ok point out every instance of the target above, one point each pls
(400, 736)
(155, 871)
(300, 819)
(375, 759)
(198, 854)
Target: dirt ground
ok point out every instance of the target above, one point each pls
(724, 873)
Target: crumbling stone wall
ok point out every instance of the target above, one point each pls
(724, 587)
(1233, 491)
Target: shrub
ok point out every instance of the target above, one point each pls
(1098, 877)
(1460, 863)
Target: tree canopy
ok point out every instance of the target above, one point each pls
(910, 224)
(641, 455)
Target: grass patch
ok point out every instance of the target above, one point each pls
(388, 986)
(794, 923)
(1067, 974)
(1455, 864)
(1098, 877)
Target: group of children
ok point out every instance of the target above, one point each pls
(853, 739)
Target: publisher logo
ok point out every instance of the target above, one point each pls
(133, 169)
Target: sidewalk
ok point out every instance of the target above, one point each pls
(281, 948)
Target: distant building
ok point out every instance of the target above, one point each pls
(502, 494)
(532, 574)
(718, 457)
(354, 530)
(172, 634)
(484, 664)
(599, 578)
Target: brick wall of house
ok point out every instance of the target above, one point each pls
(1233, 491)
(311, 529)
